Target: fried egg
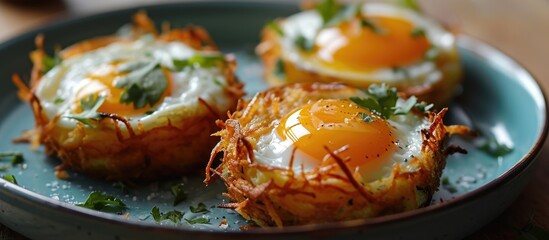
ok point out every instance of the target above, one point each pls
(312, 153)
(139, 106)
(361, 45)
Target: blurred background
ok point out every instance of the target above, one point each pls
(518, 28)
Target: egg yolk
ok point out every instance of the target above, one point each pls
(339, 124)
(101, 81)
(370, 43)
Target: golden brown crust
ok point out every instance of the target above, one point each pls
(274, 196)
(113, 148)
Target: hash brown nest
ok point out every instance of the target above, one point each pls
(272, 196)
(115, 148)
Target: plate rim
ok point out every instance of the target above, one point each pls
(469, 43)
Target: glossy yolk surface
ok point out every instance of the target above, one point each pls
(338, 124)
(101, 81)
(370, 43)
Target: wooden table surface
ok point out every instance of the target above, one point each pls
(518, 28)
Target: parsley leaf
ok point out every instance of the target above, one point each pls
(410, 4)
(50, 62)
(345, 13)
(304, 43)
(103, 202)
(446, 184)
(15, 157)
(366, 118)
(179, 193)
(10, 178)
(174, 215)
(404, 106)
(200, 208)
(494, 147)
(431, 54)
(276, 27)
(199, 61)
(144, 83)
(381, 102)
(89, 107)
(371, 25)
(328, 9)
(200, 220)
(384, 102)
(279, 70)
(418, 32)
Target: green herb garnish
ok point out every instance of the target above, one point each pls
(50, 62)
(103, 202)
(494, 147)
(418, 32)
(174, 215)
(144, 83)
(10, 178)
(366, 118)
(371, 25)
(384, 102)
(200, 220)
(275, 27)
(431, 54)
(178, 193)
(200, 208)
(304, 43)
(15, 157)
(448, 186)
(344, 14)
(328, 9)
(279, 70)
(410, 4)
(199, 61)
(58, 100)
(89, 107)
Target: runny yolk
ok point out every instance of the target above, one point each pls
(370, 43)
(339, 124)
(101, 81)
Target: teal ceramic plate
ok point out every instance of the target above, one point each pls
(498, 96)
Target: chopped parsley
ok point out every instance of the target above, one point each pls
(304, 43)
(431, 54)
(143, 85)
(448, 185)
(384, 102)
(344, 14)
(418, 32)
(372, 26)
(174, 215)
(89, 107)
(493, 147)
(276, 27)
(58, 100)
(366, 118)
(328, 9)
(15, 157)
(50, 62)
(10, 178)
(178, 193)
(199, 61)
(103, 202)
(279, 70)
(410, 4)
(200, 220)
(198, 209)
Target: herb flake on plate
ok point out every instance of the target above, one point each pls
(103, 202)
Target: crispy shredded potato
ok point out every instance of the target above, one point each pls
(115, 149)
(274, 196)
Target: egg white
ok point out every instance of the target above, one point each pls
(271, 150)
(64, 80)
(309, 23)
